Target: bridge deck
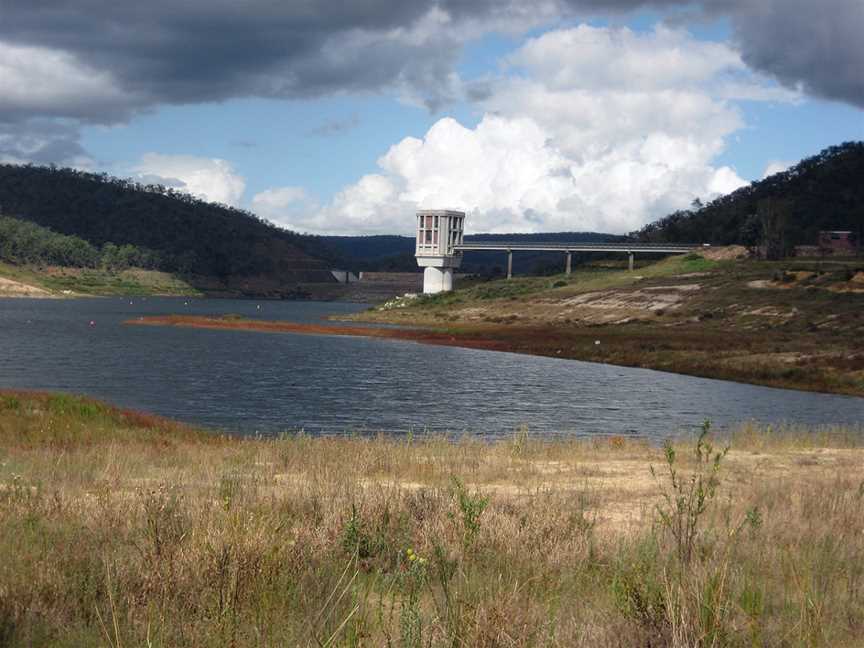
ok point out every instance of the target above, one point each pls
(673, 248)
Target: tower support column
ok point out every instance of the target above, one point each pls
(437, 280)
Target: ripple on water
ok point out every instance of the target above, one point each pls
(248, 382)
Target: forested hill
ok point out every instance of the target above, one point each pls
(823, 192)
(188, 234)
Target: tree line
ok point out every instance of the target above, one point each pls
(822, 192)
(23, 242)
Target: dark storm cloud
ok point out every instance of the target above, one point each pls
(818, 45)
(165, 51)
(102, 61)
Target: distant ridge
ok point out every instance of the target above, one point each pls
(190, 235)
(388, 253)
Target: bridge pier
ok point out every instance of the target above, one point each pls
(509, 264)
(630, 261)
(568, 266)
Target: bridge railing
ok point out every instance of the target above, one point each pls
(659, 248)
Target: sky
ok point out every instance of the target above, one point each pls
(346, 117)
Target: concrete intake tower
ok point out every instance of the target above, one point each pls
(439, 231)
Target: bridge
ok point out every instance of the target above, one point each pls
(440, 245)
(630, 249)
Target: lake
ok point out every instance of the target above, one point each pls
(250, 382)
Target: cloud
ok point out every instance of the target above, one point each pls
(45, 95)
(585, 127)
(103, 62)
(200, 50)
(775, 166)
(665, 57)
(53, 83)
(44, 142)
(288, 207)
(109, 56)
(814, 47)
(108, 61)
(335, 126)
(210, 179)
(597, 87)
(577, 135)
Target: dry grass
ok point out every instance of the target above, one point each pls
(125, 530)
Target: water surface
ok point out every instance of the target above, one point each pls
(251, 382)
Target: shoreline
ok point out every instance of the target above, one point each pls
(421, 335)
(547, 341)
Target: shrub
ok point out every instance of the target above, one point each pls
(686, 499)
(471, 507)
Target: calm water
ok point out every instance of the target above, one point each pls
(268, 383)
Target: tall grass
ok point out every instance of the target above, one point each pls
(126, 530)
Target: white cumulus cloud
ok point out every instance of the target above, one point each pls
(210, 179)
(289, 207)
(588, 128)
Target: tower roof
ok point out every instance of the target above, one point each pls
(440, 212)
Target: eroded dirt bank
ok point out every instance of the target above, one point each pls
(10, 288)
